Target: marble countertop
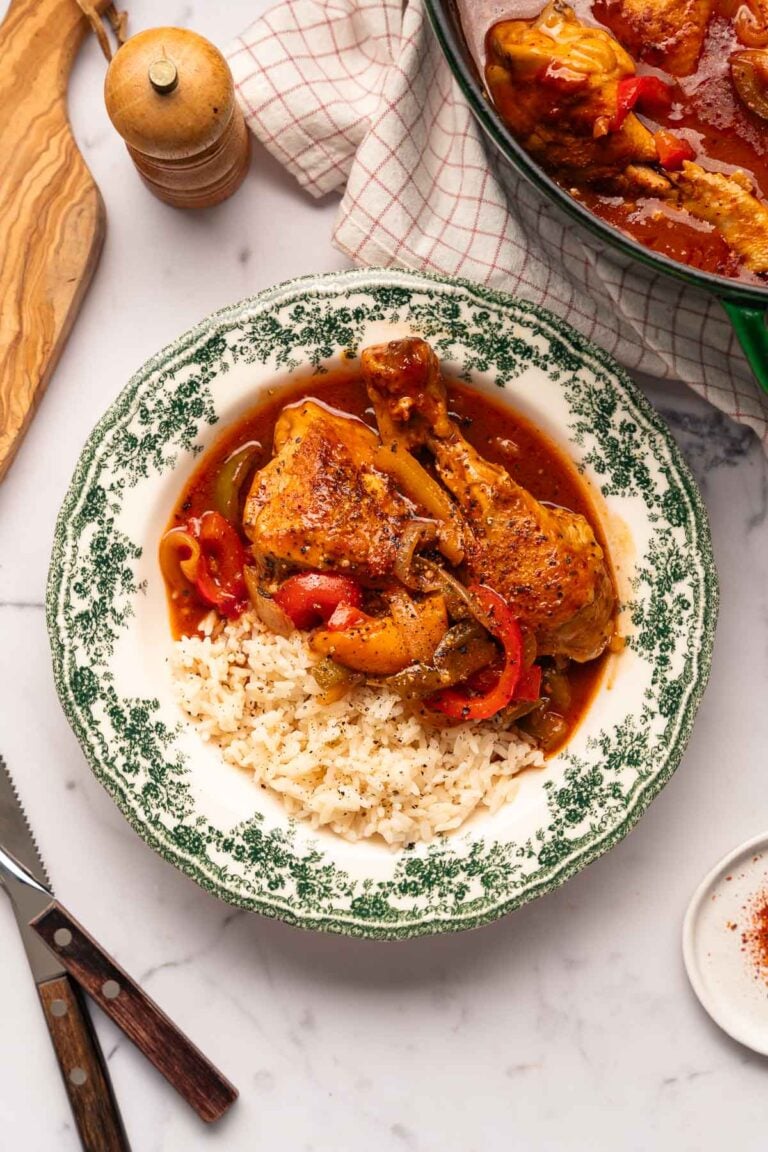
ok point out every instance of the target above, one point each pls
(569, 1025)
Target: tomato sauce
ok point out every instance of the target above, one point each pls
(501, 435)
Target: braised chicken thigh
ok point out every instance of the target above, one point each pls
(320, 502)
(555, 82)
(729, 203)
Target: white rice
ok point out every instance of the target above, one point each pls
(362, 766)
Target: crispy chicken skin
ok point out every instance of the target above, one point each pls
(320, 503)
(668, 34)
(544, 561)
(554, 81)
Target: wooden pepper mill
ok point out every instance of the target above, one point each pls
(170, 95)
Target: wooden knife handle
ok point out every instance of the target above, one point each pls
(172, 1053)
(82, 1066)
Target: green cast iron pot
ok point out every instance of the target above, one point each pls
(745, 304)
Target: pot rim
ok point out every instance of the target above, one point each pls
(445, 22)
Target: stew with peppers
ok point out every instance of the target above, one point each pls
(653, 115)
(423, 536)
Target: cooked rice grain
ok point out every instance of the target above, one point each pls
(362, 766)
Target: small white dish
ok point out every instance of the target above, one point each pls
(720, 957)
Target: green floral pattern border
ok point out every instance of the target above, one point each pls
(458, 882)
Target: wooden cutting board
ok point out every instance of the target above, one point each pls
(52, 217)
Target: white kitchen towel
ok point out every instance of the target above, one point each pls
(354, 96)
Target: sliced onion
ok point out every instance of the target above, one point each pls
(438, 580)
(267, 610)
(179, 557)
(749, 69)
(530, 648)
(416, 533)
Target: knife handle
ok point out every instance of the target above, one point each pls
(172, 1053)
(82, 1066)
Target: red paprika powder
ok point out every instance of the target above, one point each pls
(754, 938)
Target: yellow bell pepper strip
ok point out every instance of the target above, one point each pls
(379, 645)
(496, 616)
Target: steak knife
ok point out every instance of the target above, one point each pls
(64, 958)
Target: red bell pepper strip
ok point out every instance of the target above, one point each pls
(345, 616)
(529, 684)
(208, 554)
(311, 598)
(219, 574)
(495, 614)
(672, 150)
(648, 94)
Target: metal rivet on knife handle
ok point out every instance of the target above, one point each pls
(62, 937)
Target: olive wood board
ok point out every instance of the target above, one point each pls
(52, 217)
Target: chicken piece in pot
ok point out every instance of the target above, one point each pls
(555, 82)
(320, 502)
(545, 562)
(726, 202)
(729, 204)
(668, 34)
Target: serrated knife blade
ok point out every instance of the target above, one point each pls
(15, 833)
(16, 838)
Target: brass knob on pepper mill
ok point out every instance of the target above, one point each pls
(170, 95)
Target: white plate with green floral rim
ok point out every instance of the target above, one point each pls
(110, 638)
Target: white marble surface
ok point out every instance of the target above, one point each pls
(569, 1025)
